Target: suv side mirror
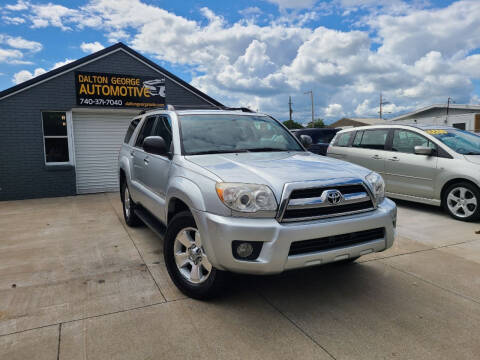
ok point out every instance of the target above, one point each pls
(423, 150)
(155, 145)
(306, 140)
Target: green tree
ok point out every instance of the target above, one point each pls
(318, 123)
(292, 124)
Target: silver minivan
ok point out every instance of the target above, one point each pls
(429, 164)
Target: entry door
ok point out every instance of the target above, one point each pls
(97, 139)
(406, 172)
(368, 149)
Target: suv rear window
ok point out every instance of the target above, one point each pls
(371, 139)
(131, 128)
(343, 139)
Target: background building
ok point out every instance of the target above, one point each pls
(60, 132)
(355, 122)
(466, 117)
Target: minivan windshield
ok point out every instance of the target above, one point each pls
(463, 142)
(222, 133)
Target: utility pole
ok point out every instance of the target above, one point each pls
(449, 100)
(290, 107)
(311, 97)
(382, 102)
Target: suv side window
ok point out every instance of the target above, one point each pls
(146, 130)
(343, 139)
(405, 141)
(371, 139)
(131, 128)
(164, 129)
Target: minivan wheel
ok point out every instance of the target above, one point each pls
(462, 201)
(186, 260)
(128, 207)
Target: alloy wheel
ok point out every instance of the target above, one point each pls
(190, 258)
(462, 202)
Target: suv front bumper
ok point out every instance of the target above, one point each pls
(218, 233)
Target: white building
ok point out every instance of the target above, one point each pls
(466, 117)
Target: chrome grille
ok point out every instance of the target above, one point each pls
(310, 201)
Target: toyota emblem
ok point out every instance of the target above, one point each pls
(334, 197)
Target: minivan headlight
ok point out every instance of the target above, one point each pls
(248, 198)
(377, 185)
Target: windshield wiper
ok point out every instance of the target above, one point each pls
(265, 149)
(219, 152)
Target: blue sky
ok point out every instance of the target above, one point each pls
(257, 53)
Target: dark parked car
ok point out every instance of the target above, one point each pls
(321, 138)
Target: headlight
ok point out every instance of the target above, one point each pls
(246, 197)
(377, 185)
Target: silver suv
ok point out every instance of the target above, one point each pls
(235, 191)
(429, 164)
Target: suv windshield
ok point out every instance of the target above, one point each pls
(212, 133)
(463, 142)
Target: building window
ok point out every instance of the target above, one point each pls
(55, 137)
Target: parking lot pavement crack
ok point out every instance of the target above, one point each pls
(59, 340)
(93, 316)
(136, 248)
(432, 283)
(295, 324)
(419, 251)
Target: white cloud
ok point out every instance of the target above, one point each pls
(334, 110)
(14, 20)
(91, 47)
(61, 63)
(415, 54)
(25, 75)
(10, 55)
(20, 5)
(18, 42)
(250, 11)
(293, 4)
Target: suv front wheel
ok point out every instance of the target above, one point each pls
(462, 201)
(187, 262)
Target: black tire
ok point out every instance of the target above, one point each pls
(448, 204)
(130, 217)
(347, 261)
(216, 280)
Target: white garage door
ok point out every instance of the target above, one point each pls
(97, 139)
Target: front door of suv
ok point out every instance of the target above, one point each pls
(368, 149)
(407, 173)
(158, 167)
(140, 161)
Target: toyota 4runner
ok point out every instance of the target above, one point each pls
(235, 191)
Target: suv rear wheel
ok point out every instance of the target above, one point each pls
(462, 201)
(187, 262)
(128, 206)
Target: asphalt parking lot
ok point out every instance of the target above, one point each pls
(76, 283)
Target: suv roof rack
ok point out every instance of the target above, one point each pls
(188, 107)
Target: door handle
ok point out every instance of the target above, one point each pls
(394, 159)
(146, 161)
(376, 157)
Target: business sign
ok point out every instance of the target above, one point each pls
(114, 90)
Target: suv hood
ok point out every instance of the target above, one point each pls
(276, 169)
(473, 158)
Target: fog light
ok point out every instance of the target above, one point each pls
(244, 250)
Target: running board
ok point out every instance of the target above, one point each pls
(151, 221)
